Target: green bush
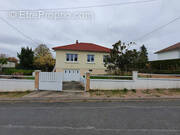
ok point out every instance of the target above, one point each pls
(13, 71)
(173, 64)
(156, 71)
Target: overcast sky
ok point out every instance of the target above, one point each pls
(104, 25)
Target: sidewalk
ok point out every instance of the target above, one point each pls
(81, 96)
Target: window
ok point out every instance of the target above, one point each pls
(71, 57)
(90, 58)
(105, 57)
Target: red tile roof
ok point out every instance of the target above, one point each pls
(83, 47)
(170, 48)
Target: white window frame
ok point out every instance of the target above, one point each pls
(72, 57)
(91, 56)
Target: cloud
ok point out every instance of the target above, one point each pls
(108, 25)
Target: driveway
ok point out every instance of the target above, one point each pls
(72, 86)
(112, 118)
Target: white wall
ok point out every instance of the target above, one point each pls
(136, 83)
(169, 55)
(16, 85)
(9, 65)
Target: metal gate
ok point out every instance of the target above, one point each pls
(71, 75)
(50, 81)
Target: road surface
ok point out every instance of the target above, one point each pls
(112, 118)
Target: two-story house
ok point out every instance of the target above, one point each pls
(79, 58)
(171, 52)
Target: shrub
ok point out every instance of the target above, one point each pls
(125, 90)
(134, 90)
(13, 71)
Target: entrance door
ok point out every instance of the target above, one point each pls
(71, 75)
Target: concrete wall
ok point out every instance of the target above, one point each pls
(81, 64)
(169, 55)
(136, 83)
(16, 85)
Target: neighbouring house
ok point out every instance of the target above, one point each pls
(171, 52)
(9, 65)
(79, 58)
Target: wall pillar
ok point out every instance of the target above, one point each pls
(37, 80)
(135, 75)
(87, 76)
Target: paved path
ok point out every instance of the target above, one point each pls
(72, 86)
(126, 118)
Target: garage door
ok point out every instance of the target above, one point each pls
(71, 75)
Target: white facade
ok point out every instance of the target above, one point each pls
(9, 65)
(174, 54)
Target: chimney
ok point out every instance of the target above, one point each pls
(76, 41)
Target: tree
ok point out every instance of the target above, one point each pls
(143, 57)
(120, 57)
(26, 58)
(123, 59)
(43, 58)
(3, 60)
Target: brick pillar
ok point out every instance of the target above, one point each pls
(37, 80)
(87, 87)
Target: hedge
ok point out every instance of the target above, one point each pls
(11, 71)
(173, 64)
(160, 71)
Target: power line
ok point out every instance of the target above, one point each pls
(93, 6)
(16, 29)
(159, 28)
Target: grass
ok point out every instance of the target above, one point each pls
(29, 78)
(13, 94)
(133, 93)
(146, 91)
(111, 77)
(133, 90)
(109, 93)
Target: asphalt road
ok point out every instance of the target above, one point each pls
(126, 118)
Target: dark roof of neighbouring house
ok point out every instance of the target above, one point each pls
(170, 48)
(83, 47)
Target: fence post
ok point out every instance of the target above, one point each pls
(135, 75)
(37, 80)
(87, 76)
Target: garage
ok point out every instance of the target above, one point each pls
(71, 75)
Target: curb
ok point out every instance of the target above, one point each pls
(54, 100)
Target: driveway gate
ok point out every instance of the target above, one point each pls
(50, 81)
